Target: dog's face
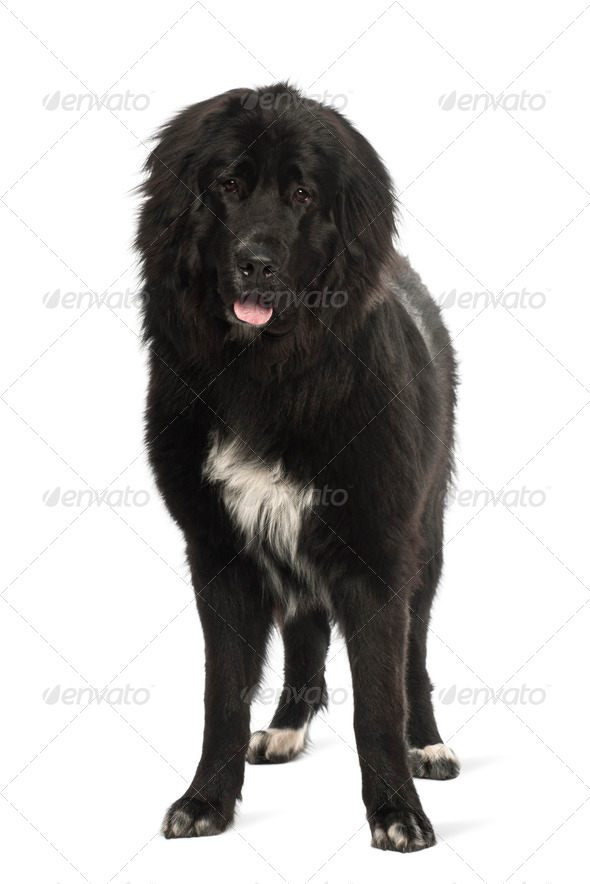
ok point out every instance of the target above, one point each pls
(260, 205)
(272, 228)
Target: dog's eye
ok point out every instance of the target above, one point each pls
(301, 195)
(231, 185)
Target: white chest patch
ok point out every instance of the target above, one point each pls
(261, 499)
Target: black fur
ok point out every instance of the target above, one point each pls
(348, 388)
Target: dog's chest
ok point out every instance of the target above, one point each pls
(265, 503)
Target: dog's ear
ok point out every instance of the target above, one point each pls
(365, 206)
(170, 219)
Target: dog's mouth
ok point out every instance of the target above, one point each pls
(266, 310)
(253, 309)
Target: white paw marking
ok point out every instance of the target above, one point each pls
(204, 826)
(404, 837)
(435, 759)
(179, 822)
(277, 742)
(380, 837)
(439, 751)
(398, 835)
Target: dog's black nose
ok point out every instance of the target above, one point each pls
(257, 264)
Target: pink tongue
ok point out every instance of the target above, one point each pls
(252, 311)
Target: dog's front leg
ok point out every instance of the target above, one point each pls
(375, 626)
(236, 625)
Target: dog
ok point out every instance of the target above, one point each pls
(299, 423)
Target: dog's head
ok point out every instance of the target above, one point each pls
(264, 212)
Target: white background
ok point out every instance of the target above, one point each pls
(495, 201)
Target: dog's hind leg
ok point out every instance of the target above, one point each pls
(430, 758)
(306, 638)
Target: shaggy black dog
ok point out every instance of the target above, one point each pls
(300, 427)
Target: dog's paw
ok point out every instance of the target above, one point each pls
(436, 762)
(276, 745)
(403, 831)
(191, 818)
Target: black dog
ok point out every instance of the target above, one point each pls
(300, 427)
